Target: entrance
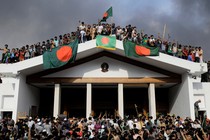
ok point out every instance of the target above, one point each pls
(7, 114)
(201, 115)
(73, 101)
(135, 101)
(104, 99)
(46, 102)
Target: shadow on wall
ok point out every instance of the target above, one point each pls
(172, 97)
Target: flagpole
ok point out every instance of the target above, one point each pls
(142, 33)
(177, 44)
(164, 31)
(136, 110)
(111, 20)
(111, 24)
(169, 37)
(78, 25)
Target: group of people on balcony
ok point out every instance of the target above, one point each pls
(86, 32)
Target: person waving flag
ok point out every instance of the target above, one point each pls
(107, 14)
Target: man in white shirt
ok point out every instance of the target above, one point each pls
(30, 122)
(82, 29)
(130, 124)
(99, 28)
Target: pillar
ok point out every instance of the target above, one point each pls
(88, 100)
(57, 100)
(1, 115)
(152, 102)
(120, 100)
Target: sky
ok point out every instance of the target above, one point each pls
(25, 22)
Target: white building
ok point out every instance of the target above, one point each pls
(161, 84)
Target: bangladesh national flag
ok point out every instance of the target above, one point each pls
(106, 42)
(107, 14)
(132, 49)
(60, 56)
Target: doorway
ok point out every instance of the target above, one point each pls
(104, 99)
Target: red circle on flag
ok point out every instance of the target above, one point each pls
(105, 40)
(105, 14)
(142, 51)
(64, 53)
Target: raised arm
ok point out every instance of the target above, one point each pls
(182, 134)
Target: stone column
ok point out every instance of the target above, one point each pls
(57, 100)
(88, 100)
(120, 100)
(1, 114)
(152, 101)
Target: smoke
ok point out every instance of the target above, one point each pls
(28, 22)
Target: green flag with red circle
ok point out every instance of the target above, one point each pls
(107, 14)
(106, 42)
(60, 56)
(137, 50)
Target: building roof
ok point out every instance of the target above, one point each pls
(163, 61)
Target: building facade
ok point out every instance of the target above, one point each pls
(104, 81)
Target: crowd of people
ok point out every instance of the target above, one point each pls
(86, 32)
(106, 127)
